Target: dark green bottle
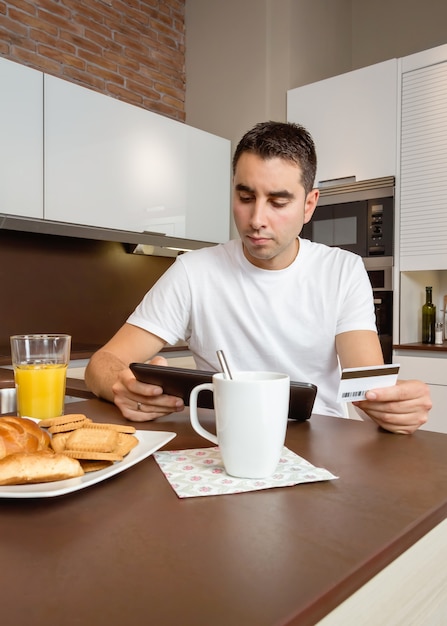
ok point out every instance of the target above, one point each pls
(428, 318)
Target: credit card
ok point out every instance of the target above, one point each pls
(356, 381)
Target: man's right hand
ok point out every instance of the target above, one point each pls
(141, 402)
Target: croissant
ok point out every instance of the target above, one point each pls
(19, 434)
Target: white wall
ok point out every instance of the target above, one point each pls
(226, 65)
(243, 55)
(384, 29)
(320, 40)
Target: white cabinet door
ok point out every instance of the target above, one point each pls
(437, 421)
(208, 178)
(353, 121)
(114, 165)
(21, 143)
(423, 180)
(110, 164)
(433, 371)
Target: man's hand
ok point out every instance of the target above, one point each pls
(141, 402)
(400, 409)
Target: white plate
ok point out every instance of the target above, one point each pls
(149, 442)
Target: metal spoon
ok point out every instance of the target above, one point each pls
(224, 364)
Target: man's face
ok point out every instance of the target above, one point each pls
(270, 207)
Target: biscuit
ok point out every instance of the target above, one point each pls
(90, 455)
(93, 466)
(121, 428)
(125, 443)
(64, 428)
(94, 439)
(63, 419)
(95, 445)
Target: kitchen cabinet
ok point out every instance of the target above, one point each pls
(21, 145)
(208, 186)
(353, 121)
(114, 165)
(421, 189)
(431, 368)
(423, 161)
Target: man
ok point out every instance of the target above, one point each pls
(270, 301)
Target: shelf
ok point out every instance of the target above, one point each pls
(426, 347)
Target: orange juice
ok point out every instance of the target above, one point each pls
(40, 389)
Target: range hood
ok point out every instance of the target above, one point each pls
(156, 244)
(350, 190)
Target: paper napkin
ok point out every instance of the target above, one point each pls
(200, 472)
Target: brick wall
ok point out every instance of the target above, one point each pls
(132, 50)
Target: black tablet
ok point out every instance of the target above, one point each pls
(179, 381)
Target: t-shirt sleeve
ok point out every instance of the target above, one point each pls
(165, 309)
(356, 306)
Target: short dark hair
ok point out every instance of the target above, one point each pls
(285, 140)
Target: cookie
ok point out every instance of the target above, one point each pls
(95, 445)
(63, 419)
(121, 428)
(67, 427)
(126, 443)
(92, 439)
(94, 466)
(90, 455)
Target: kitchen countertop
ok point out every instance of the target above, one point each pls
(77, 352)
(84, 351)
(427, 347)
(129, 551)
(76, 386)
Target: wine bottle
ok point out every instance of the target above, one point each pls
(428, 318)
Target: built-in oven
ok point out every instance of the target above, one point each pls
(383, 303)
(359, 217)
(380, 272)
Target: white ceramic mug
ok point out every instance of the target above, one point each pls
(251, 420)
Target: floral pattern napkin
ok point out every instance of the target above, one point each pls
(200, 472)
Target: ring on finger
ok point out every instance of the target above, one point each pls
(138, 406)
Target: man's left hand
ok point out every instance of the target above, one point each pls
(401, 409)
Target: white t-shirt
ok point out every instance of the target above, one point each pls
(278, 320)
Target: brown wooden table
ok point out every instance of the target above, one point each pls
(129, 552)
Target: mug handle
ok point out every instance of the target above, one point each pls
(193, 412)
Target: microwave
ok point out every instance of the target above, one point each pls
(359, 219)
